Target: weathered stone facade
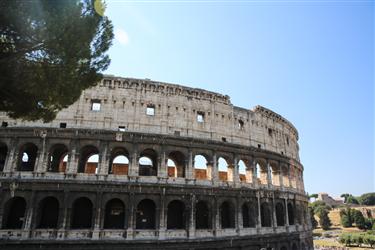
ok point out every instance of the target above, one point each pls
(53, 195)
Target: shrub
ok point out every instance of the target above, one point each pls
(367, 199)
(324, 220)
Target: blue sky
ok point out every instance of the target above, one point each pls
(310, 61)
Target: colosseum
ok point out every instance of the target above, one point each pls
(140, 164)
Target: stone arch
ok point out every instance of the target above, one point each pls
(261, 171)
(227, 215)
(294, 246)
(119, 161)
(283, 248)
(202, 215)
(88, 160)
(285, 175)
(14, 213)
(265, 215)
(280, 214)
(176, 215)
(3, 155)
(275, 173)
(202, 168)
(244, 171)
(48, 212)
(57, 159)
(82, 212)
(248, 214)
(146, 214)
(27, 157)
(291, 214)
(148, 163)
(225, 169)
(114, 215)
(177, 169)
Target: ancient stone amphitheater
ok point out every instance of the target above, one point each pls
(139, 164)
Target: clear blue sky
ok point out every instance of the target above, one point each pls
(310, 61)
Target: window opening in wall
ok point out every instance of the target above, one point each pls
(259, 146)
(240, 125)
(95, 105)
(150, 110)
(177, 133)
(200, 117)
(63, 125)
(4, 124)
(121, 128)
(224, 139)
(287, 141)
(270, 132)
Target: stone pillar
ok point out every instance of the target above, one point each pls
(41, 161)
(162, 210)
(215, 170)
(254, 173)
(289, 177)
(286, 215)
(104, 158)
(63, 216)
(281, 178)
(73, 161)
(236, 175)
(239, 217)
(11, 160)
(97, 214)
(189, 170)
(134, 166)
(131, 217)
(274, 219)
(162, 165)
(216, 217)
(191, 230)
(27, 223)
(269, 174)
(259, 222)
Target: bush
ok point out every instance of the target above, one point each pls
(369, 239)
(367, 199)
(345, 239)
(324, 220)
(346, 217)
(359, 220)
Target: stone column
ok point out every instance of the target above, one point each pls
(239, 217)
(289, 177)
(73, 160)
(63, 216)
(281, 178)
(162, 165)
(41, 161)
(216, 217)
(274, 218)
(162, 209)
(286, 215)
(134, 166)
(215, 170)
(191, 230)
(269, 175)
(104, 156)
(29, 213)
(254, 172)
(189, 170)
(97, 214)
(11, 159)
(236, 176)
(131, 217)
(259, 222)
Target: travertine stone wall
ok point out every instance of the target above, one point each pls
(123, 103)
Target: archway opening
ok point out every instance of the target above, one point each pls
(245, 215)
(202, 170)
(119, 163)
(27, 157)
(245, 174)
(275, 174)
(176, 164)
(114, 214)
(227, 215)
(280, 215)
(294, 247)
(261, 172)
(14, 213)
(176, 215)
(202, 216)
(291, 214)
(58, 158)
(225, 170)
(146, 211)
(148, 165)
(48, 213)
(82, 214)
(89, 160)
(266, 216)
(3, 155)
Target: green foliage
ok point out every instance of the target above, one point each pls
(314, 223)
(367, 199)
(349, 199)
(359, 220)
(316, 206)
(324, 220)
(313, 196)
(356, 239)
(369, 240)
(50, 50)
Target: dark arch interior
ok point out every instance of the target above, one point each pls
(176, 215)
(146, 214)
(266, 215)
(227, 215)
(149, 169)
(280, 215)
(114, 214)
(179, 160)
(291, 214)
(294, 247)
(202, 216)
(57, 154)
(27, 157)
(82, 214)
(248, 215)
(284, 248)
(48, 212)
(84, 166)
(14, 214)
(119, 168)
(3, 155)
